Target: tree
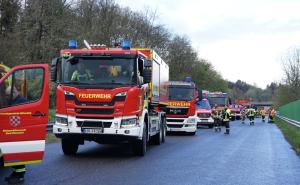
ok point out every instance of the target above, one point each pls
(290, 88)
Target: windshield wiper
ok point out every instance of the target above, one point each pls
(77, 83)
(112, 83)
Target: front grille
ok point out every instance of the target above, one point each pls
(175, 126)
(177, 111)
(175, 120)
(203, 115)
(89, 117)
(93, 124)
(95, 111)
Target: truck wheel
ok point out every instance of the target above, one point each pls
(69, 147)
(164, 133)
(157, 139)
(140, 146)
(210, 126)
(192, 133)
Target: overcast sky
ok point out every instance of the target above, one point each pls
(242, 39)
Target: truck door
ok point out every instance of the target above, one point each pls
(24, 101)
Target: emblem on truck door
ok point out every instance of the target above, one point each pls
(15, 121)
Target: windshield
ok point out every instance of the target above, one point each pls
(203, 104)
(98, 71)
(217, 101)
(181, 93)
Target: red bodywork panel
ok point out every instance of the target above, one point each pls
(203, 113)
(24, 123)
(131, 105)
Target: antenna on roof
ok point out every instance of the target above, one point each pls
(86, 44)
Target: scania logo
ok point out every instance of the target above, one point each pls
(175, 111)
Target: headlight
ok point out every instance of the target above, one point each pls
(129, 122)
(191, 120)
(121, 94)
(69, 93)
(61, 120)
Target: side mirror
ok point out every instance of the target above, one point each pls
(147, 71)
(140, 81)
(54, 69)
(199, 95)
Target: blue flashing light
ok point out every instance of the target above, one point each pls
(187, 79)
(126, 44)
(72, 44)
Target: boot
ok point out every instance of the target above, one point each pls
(15, 178)
(227, 131)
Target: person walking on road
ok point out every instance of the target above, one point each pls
(243, 113)
(263, 114)
(217, 120)
(226, 119)
(251, 114)
(271, 115)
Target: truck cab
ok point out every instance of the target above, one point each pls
(204, 114)
(181, 109)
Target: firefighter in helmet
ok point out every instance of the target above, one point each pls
(81, 74)
(226, 120)
(263, 114)
(251, 115)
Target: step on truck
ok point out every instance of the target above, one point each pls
(181, 110)
(110, 96)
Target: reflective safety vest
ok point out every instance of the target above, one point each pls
(76, 76)
(114, 71)
(251, 112)
(226, 116)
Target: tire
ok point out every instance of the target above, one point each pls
(69, 147)
(164, 132)
(192, 133)
(157, 139)
(210, 126)
(140, 146)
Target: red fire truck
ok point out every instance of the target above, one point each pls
(181, 111)
(110, 95)
(24, 99)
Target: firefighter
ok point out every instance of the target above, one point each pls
(217, 119)
(271, 115)
(226, 119)
(243, 113)
(81, 74)
(14, 98)
(263, 114)
(251, 114)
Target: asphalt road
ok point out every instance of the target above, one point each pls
(255, 154)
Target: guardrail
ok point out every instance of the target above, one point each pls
(290, 121)
(50, 127)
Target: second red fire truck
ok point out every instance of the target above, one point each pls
(181, 111)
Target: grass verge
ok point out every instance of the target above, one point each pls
(50, 138)
(291, 133)
(52, 115)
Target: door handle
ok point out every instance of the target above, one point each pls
(38, 114)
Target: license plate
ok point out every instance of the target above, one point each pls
(92, 130)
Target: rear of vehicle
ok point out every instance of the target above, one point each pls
(181, 110)
(204, 114)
